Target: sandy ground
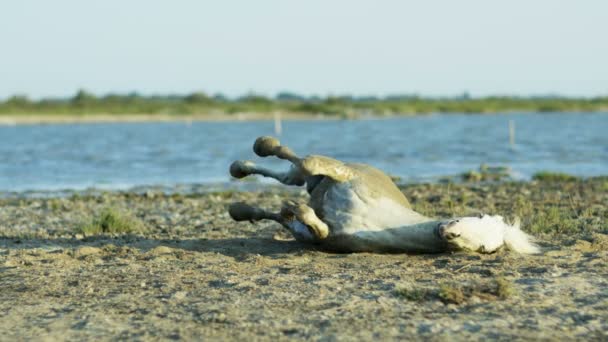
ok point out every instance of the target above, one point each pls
(192, 273)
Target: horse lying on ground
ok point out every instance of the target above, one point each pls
(357, 208)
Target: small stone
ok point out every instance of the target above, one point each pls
(160, 250)
(86, 251)
(180, 295)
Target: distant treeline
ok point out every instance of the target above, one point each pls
(83, 103)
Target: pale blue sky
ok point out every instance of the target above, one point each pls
(521, 47)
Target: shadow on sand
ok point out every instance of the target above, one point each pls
(233, 247)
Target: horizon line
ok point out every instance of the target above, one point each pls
(304, 95)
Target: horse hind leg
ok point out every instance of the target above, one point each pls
(300, 216)
(268, 146)
(299, 219)
(313, 165)
(240, 169)
(240, 211)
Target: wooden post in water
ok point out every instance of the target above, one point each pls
(278, 127)
(512, 133)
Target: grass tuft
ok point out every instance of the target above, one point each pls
(412, 293)
(498, 288)
(548, 176)
(451, 294)
(504, 288)
(554, 220)
(111, 221)
(487, 173)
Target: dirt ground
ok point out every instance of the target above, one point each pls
(193, 273)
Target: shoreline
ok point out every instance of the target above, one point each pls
(261, 186)
(58, 119)
(37, 119)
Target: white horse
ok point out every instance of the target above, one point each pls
(357, 208)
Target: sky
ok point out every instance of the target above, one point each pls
(375, 47)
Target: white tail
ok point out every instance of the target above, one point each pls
(518, 241)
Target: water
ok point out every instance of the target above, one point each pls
(124, 155)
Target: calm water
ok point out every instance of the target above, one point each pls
(78, 156)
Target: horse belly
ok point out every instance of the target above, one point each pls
(348, 211)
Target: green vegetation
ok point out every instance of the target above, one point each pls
(412, 293)
(112, 221)
(85, 103)
(498, 288)
(504, 288)
(548, 176)
(451, 294)
(557, 209)
(487, 173)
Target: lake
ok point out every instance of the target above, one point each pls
(420, 148)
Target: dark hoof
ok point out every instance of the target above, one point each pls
(265, 146)
(240, 169)
(240, 211)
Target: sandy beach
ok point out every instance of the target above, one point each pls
(190, 272)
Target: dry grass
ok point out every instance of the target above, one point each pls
(498, 288)
(412, 293)
(556, 209)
